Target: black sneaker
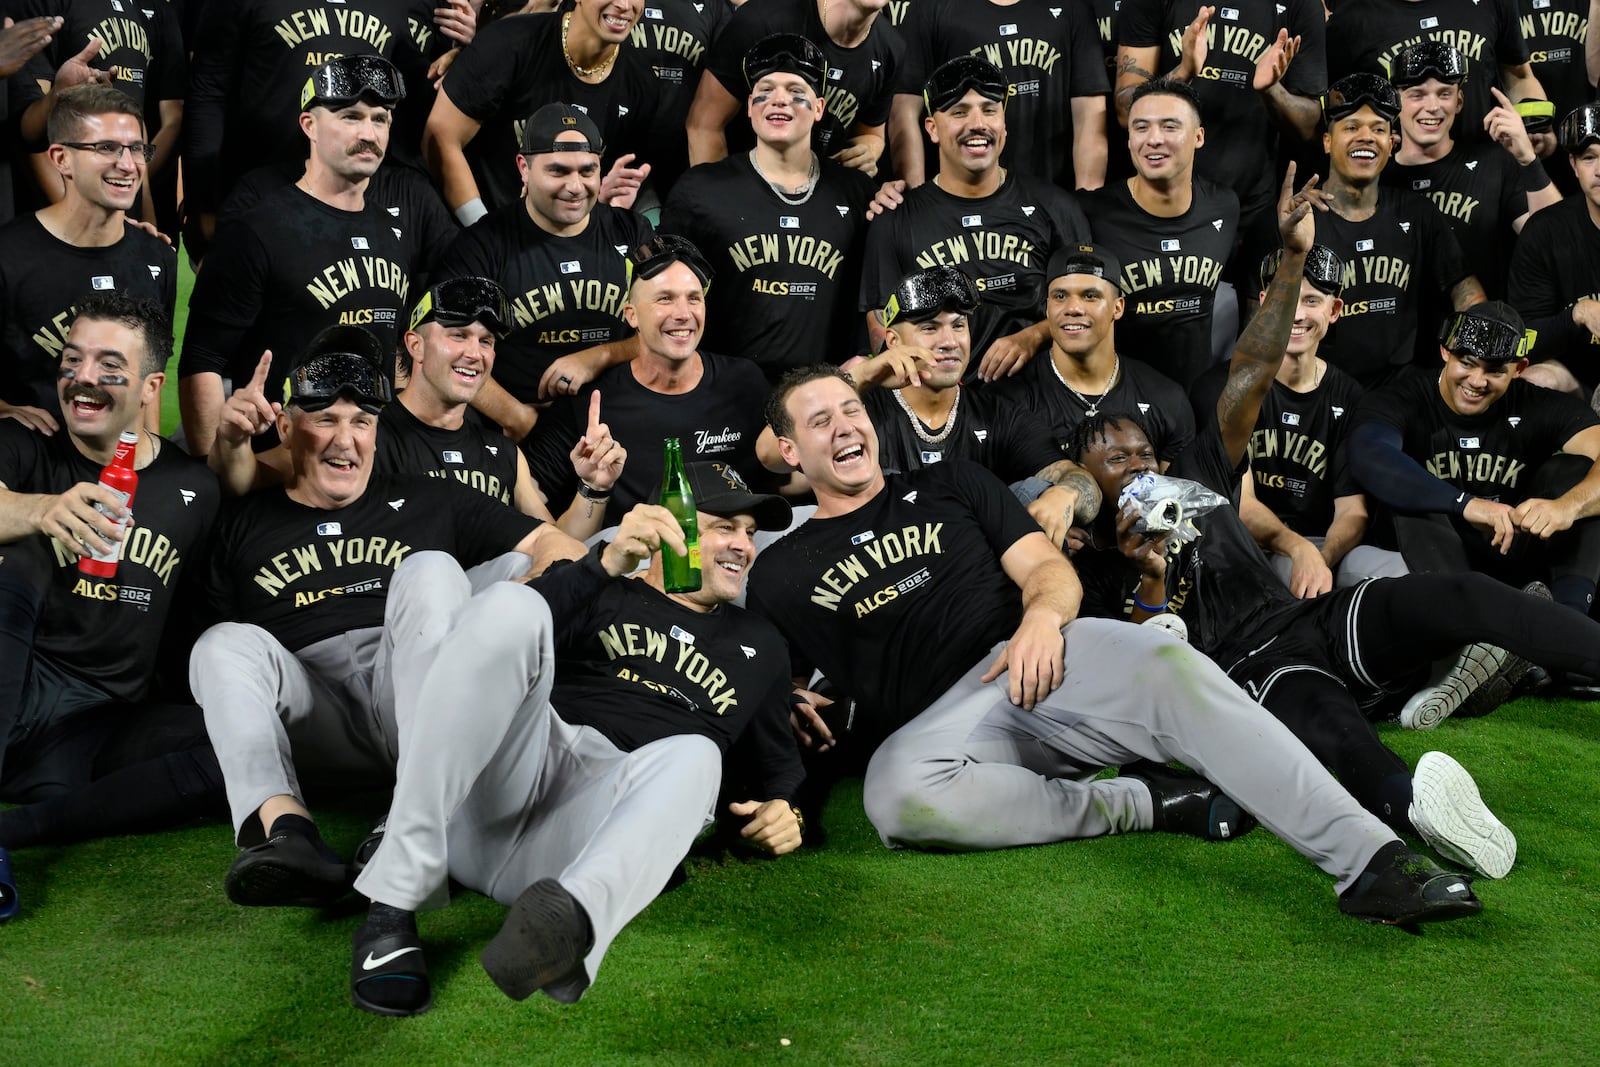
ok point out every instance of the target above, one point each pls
(286, 871)
(388, 975)
(367, 849)
(1186, 804)
(542, 942)
(1399, 888)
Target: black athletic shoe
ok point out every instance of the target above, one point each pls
(1399, 888)
(542, 942)
(388, 975)
(1186, 804)
(286, 871)
(367, 849)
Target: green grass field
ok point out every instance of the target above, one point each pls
(1146, 949)
(1133, 950)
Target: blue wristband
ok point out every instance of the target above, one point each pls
(1156, 609)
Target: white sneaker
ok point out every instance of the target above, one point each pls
(1452, 818)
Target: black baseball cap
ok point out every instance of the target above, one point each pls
(954, 78)
(1097, 260)
(341, 361)
(1581, 128)
(929, 293)
(539, 133)
(1324, 269)
(1354, 91)
(719, 490)
(787, 53)
(656, 255)
(343, 81)
(1430, 59)
(460, 301)
(1490, 332)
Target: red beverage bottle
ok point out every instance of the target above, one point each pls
(121, 479)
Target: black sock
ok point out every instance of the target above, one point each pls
(299, 824)
(1381, 861)
(384, 919)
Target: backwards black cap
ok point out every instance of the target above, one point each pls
(539, 133)
(1097, 260)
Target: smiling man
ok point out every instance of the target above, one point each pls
(591, 757)
(87, 745)
(320, 666)
(80, 245)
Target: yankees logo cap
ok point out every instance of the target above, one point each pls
(1490, 332)
(343, 81)
(539, 133)
(720, 490)
(786, 53)
(928, 293)
(1324, 269)
(1097, 260)
(341, 361)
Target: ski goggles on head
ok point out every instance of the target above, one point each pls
(1581, 128)
(1354, 91)
(460, 301)
(1486, 339)
(654, 256)
(1324, 269)
(929, 293)
(319, 381)
(955, 78)
(1538, 116)
(788, 53)
(1431, 59)
(343, 81)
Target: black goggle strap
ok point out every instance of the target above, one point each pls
(1485, 339)
(344, 81)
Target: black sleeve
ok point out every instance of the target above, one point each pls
(433, 225)
(468, 254)
(919, 32)
(172, 62)
(1446, 262)
(768, 744)
(725, 58)
(549, 449)
(1027, 445)
(1510, 47)
(226, 301)
(1072, 225)
(1534, 288)
(1380, 465)
(481, 77)
(571, 587)
(215, 65)
(880, 261)
(484, 527)
(1005, 521)
(1088, 71)
(1139, 25)
(1308, 74)
(19, 456)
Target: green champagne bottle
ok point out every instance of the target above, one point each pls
(679, 574)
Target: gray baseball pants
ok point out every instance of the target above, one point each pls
(496, 790)
(974, 771)
(337, 709)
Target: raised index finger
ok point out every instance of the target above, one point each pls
(594, 415)
(258, 380)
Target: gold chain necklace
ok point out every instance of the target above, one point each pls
(599, 70)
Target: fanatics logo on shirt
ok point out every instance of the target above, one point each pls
(981, 435)
(398, 504)
(622, 109)
(1338, 412)
(843, 209)
(749, 653)
(329, 529)
(1144, 409)
(101, 282)
(1028, 210)
(1513, 420)
(453, 457)
(1405, 227)
(911, 497)
(1472, 164)
(1055, 12)
(875, 65)
(395, 232)
(571, 266)
(393, 211)
(493, 450)
(1216, 224)
(622, 250)
(188, 496)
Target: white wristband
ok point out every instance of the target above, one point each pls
(471, 211)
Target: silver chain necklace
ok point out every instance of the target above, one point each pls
(799, 196)
(1094, 409)
(917, 424)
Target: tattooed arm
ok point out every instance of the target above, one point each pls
(1135, 66)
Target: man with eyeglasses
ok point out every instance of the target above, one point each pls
(998, 225)
(1485, 190)
(80, 245)
(709, 401)
(448, 355)
(781, 226)
(94, 740)
(321, 661)
(1401, 259)
(318, 253)
(559, 255)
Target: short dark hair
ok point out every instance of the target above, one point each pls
(75, 106)
(146, 316)
(1095, 427)
(1168, 87)
(778, 416)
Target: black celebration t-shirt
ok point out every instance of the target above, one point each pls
(638, 666)
(1297, 454)
(566, 293)
(1555, 264)
(1049, 53)
(106, 631)
(473, 454)
(674, 37)
(1138, 389)
(289, 268)
(866, 597)
(1008, 440)
(304, 574)
(42, 280)
(141, 45)
(1001, 241)
(1492, 454)
(860, 82)
(1170, 271)
(786, 274)
(514, 67)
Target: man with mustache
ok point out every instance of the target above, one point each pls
(319, 253)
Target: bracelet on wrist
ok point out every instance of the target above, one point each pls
(1154, 609)
(589, 492)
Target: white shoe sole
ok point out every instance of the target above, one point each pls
(1477, 666)
(1451, 816)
